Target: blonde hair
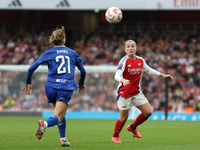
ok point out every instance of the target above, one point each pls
(129, 41)
(57, 36)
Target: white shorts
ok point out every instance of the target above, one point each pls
(125, 103)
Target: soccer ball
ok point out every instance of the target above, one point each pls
(113, 15)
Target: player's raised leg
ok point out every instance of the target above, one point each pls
(51, 121)
(40, 130)
(146, 113)
(59, 113)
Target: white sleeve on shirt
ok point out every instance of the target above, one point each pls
(119, 72)
(149, 70)
(118, 75)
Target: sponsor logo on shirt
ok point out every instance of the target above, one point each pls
(139, 64)
(62, 80)
(129, 65)
(123, 106)
(134, 71)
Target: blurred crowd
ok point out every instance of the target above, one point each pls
(172, 52)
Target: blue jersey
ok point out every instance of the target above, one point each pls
(61, 67)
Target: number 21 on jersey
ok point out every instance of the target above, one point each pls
(60, 68)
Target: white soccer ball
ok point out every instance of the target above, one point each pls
(113, 15)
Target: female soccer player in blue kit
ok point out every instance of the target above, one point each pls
(60, 82)
(129, 93)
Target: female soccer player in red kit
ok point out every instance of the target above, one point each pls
(129, 93)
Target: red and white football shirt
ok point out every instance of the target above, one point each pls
(131, 70)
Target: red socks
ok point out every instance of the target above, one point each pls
(119, 125)
(118, 128)
(139, 120)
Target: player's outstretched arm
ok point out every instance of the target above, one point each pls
(81, 88)
(27, 89)
(166, 76)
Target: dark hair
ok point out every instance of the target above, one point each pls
(57, 36)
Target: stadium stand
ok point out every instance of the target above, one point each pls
(179, 52)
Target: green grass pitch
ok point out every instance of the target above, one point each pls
(18, 133)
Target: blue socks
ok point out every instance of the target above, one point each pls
(52, 121)
(62, 127)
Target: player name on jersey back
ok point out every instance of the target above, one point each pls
(62, 51)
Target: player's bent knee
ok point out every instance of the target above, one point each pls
(123, 119)
(148, 114)
(59, 116)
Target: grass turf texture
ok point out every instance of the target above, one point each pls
(18, 133)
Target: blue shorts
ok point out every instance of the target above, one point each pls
(55, 95)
